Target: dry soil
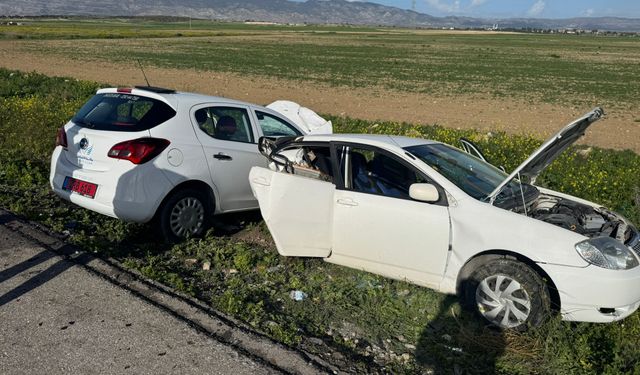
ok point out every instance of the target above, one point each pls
(619, 130)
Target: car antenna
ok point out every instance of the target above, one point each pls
(144, 75)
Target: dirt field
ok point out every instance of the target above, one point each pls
(620, 130)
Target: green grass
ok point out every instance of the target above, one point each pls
(149, 27)
(370, 321)
(567, 69)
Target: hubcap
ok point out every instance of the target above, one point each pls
(503, 301)
(187, 217)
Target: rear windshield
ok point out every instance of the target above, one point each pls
(122, 112)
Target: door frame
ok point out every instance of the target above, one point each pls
(340, 184)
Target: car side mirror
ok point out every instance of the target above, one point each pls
(424, 193)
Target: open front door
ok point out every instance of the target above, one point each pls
(298, 211)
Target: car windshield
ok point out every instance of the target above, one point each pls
(474, 176)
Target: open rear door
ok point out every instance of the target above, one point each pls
(298, 211)
(470, 148)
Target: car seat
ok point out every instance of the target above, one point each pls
(322, 162)
(360, 175)
(226, 127)
(390, 177)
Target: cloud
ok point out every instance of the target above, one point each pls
(588, 12)
(475, 3)
(537, 8)
(444, 5)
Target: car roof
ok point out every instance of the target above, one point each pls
(171, 97)
(198, 98)
(372, 139)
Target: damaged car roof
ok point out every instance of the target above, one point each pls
(398, 141)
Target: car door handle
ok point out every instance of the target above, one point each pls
(347, 202)
(221, 156)
(261, 181)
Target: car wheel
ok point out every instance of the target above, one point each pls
(508, 294)
(185, 214)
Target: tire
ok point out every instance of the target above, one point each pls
(526, 302)
(186, 213)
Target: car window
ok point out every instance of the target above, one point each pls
(122, 112)
(312, 161)
(273, 126)
(373, 172)
(225, 123)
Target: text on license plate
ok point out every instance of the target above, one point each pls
(84, 188)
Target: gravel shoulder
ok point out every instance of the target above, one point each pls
(620, 130)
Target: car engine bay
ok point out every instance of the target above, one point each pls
(581, 218)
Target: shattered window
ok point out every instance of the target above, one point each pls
(311, 161)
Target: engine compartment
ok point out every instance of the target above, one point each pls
(580, 218)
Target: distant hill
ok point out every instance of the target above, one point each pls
(284, 11)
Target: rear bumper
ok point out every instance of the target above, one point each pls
(129, 192)
(594, 294)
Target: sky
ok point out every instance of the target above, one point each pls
(522, 8)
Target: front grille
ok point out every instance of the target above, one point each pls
(635, 243)
(636, 248)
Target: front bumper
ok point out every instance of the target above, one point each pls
(594, 294)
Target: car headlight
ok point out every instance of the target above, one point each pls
(607, 252)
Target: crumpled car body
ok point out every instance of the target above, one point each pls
(305, 118)
(433, 215)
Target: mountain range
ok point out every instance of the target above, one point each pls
(284, 11)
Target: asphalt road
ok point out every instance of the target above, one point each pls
(63, 311)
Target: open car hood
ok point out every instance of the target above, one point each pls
(550, 150)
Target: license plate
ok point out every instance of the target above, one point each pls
(83, 188)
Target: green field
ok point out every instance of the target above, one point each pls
(148, 27)
(364, 322)
(565, 69)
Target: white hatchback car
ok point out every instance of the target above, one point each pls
(433, 215)
(143, 153)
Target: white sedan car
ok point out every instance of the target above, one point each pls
(433, 215)
(150, 153)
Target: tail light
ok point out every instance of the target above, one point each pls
(61, 138)
(138, 151)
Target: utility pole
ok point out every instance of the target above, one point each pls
(413, 5)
